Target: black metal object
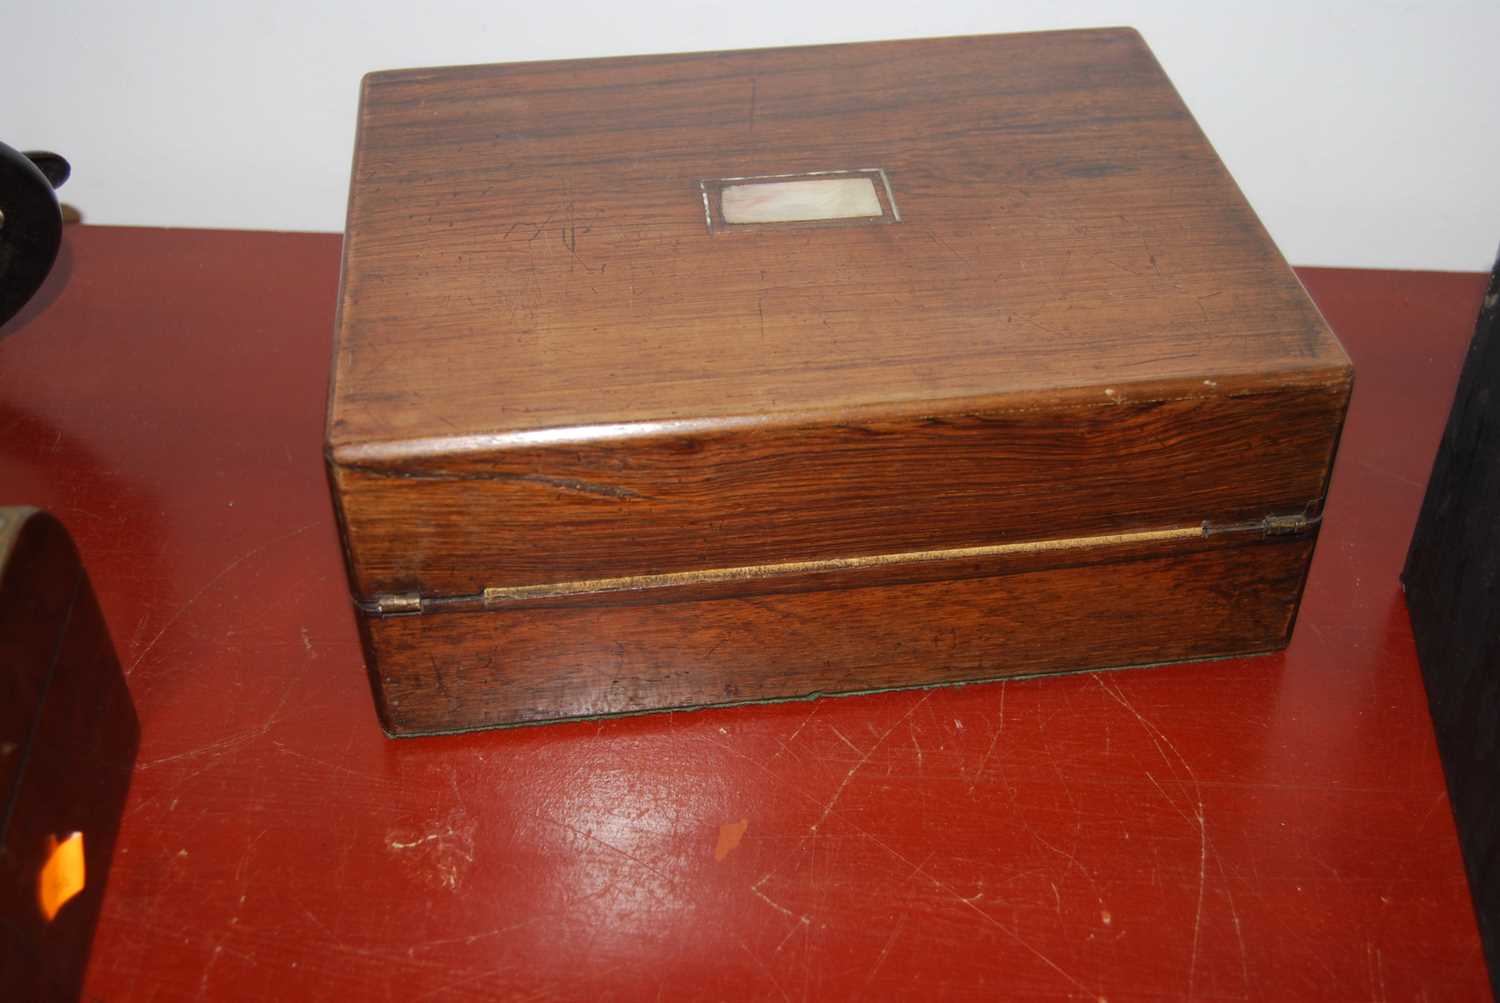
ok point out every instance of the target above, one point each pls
(30, 224)
(1452, 581)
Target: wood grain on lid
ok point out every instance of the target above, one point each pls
(526, 249)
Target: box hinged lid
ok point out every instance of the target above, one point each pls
(657, 319)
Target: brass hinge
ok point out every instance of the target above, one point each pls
(392, 604)
(1271, 525)
(1285, 525)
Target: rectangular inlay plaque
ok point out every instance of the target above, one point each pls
(812, 198)
(800, 201)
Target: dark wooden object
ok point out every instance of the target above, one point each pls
(68, 738)
(595, 453)
(1452, 581)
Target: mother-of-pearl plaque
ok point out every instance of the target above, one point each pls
(800, 201)
(815, 197)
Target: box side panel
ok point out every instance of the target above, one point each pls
(454, 671)
(454, 524)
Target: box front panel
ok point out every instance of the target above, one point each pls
(619, 505)
(443, 672)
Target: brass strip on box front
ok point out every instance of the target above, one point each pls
(800, 575)
(631, 583)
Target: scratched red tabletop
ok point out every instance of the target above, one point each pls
(1271, 829)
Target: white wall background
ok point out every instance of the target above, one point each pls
(1365, 133)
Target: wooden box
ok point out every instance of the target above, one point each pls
(682, 380)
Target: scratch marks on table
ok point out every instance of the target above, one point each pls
(755, 890)
(444, 853)
(804, 922)
(1415, 485)
(857, 750)
(1019, 813)
(786, 743)
(213, 959)
(441, 968)
(1202, 884)
(221, 746)
(920, 869)
(1375, 971)
(1234, 916)
(764, 970)
(1187, 779)
(469, 939)
(218, 748)
(886, 949)
(164, 888)
(864, 758)
(322, 764)
(643, 865)
(801, 921)
(994, 741)
(467, 979)
(214, 580)
(1441, 797)
(208, 969)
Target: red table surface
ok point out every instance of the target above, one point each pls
(1271, 828)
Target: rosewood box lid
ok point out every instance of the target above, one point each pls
(659, 314)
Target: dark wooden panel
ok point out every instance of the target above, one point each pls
(1452, 581)
(450, 671)
(670, 502)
